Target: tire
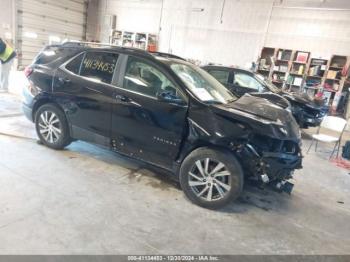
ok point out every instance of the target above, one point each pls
(225, 183)
(51, 127)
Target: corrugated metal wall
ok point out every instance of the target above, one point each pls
(39, 21)
(198, 29)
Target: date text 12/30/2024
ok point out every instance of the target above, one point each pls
(173, 258)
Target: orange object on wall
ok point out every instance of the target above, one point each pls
(152, 48)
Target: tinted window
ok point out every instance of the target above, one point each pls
(248, 81)
(220, 75)
(144, 78)
(74, 65)
(99, 66)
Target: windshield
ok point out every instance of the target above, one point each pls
(205, 87)
(267, 83)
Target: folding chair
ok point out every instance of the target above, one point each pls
(333, 123)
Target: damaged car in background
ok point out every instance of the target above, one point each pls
(239, 81)
(164, 111)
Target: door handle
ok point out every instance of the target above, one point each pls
(122, 98)
(64, 80)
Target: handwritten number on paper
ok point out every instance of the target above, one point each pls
(98, 65)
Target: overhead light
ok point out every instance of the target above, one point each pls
(197, 9)
(31, 35)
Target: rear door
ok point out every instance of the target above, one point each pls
(143, 125)
(83, 87)
(245, 83)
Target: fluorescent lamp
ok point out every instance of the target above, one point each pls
(197, 9)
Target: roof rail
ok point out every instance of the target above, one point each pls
(94, 44)
(91, 44)
(167, 55)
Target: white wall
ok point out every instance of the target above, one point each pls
(323, 32)
(6, 19)
(234, 38)
(246, 26)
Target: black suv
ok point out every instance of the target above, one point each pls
(162, 110)
(240, 81)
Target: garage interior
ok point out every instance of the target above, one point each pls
(88, 200)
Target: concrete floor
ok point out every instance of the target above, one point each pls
(87, 200)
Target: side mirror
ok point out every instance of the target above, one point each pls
(169, 97)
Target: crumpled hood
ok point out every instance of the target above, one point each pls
(263, 116)
(260, 107)
(302, 99)
(273, 98)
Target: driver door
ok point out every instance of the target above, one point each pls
(149, 113)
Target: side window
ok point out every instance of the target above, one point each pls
(144, 78)
(220, 75)
(99, 66)
(74, 65)
(248, 81)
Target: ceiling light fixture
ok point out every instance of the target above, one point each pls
(197, 9)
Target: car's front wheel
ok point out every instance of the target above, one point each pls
(51, 127)
(211, 178)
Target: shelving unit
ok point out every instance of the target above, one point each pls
(128, 39)
(335, 77)
(297, 71)
(144, 41)
(116, 37)
(315, 75)
(266, 61)
(281, 66)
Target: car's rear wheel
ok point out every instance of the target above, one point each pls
(51, 127)
(211, 178)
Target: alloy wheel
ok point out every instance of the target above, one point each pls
(209, 179)
(50, 126)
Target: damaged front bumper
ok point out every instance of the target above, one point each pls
(280, 166)
(268, 166)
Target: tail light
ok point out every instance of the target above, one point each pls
(28, 71)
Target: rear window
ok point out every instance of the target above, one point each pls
(54, 55)
(74, 65)
(99, 66)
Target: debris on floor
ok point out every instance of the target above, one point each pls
(341, 162)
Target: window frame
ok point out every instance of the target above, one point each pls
(123, 68)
